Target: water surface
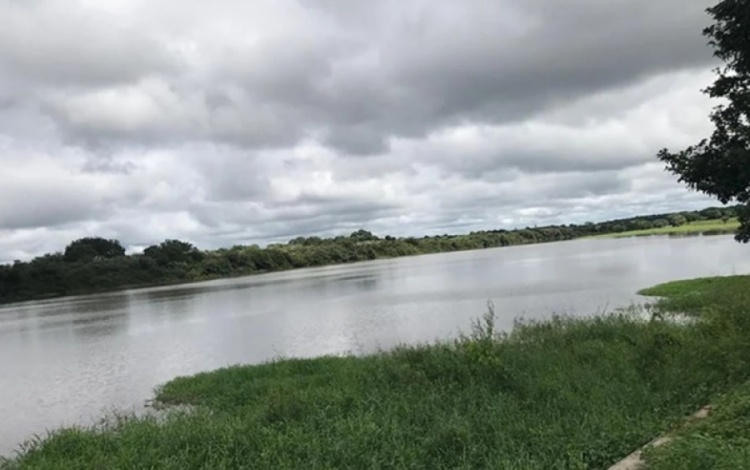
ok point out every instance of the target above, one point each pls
(65, 361)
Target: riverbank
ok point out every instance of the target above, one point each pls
(565, 393)
(723, 439)
(701, 227)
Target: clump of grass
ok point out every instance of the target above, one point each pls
(566, 393)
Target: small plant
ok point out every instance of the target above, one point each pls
(482, 349)
(483, 328)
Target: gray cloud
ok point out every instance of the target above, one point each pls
(255, 122)
(487, 61)
(43, 201)
(53, 42)
(392, 72)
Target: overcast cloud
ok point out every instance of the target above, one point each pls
(251, 122)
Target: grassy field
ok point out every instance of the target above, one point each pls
(707, 227)
(560, 394)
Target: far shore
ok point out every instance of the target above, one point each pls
(703, 227)
(53, 276)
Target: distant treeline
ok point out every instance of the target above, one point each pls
(90, 265)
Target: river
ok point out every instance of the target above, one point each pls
(67, 361)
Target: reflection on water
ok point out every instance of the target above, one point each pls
(63, 361)
(98, 316)
(95, 315)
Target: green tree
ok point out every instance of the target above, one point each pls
(362, 235)
(711, 213)
(91, 248)
(720, 165)
(173, 251)
(675, 220)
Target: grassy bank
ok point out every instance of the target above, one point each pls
(561, 394)
(722, 441)
(705, 227)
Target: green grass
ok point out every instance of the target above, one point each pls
(560, 394)
(721, 441)
(703, 295)
(707, 227)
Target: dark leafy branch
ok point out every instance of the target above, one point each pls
(720, 165)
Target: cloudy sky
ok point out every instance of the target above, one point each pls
(255, 121)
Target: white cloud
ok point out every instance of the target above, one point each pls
(254, 122)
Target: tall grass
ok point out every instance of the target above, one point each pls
(559, 394)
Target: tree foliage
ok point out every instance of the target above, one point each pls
(92, 248)
(720, 165)
(95, 264)
(173, 251)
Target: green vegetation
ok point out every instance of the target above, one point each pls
(704, 227)
(91, 265)
(720, 165)
(696, 297)
(721, 441)
(560, 394)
